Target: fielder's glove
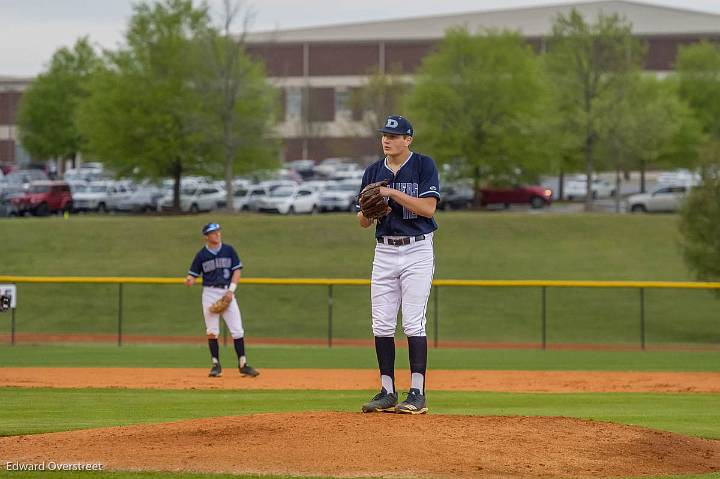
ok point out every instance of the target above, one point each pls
(372, 204)
(220, 305)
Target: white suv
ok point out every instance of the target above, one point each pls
(665, 198)
(196, 198)
(339, 196)
(288, 200)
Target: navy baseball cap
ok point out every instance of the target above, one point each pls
(397, 125)
(210, 227)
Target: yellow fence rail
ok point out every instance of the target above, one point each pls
(495, 283)
(641, 286)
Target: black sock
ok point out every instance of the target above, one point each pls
(239, 347)
(385, 350)
(214, 350)
(417, 351)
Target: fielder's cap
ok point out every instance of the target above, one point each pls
(397, 125)
(210, 227)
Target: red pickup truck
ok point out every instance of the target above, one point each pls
(535, 196)
(43, 198)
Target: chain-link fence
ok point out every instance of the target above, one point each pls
(461, 313)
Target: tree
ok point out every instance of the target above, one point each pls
(377, 98)
(181, 97)
(700, 229)
(698, 76)
(586, 63)
(143, 104)
(643, 122)
(477, 103)
(698, 72)
(46, 117)
(238, 103)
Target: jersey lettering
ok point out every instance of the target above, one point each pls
(208, 266)
(410, 189)
(223, 262)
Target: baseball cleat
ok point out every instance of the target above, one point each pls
(382, 402)
(248, 370)
(216, 371)
(413, 404)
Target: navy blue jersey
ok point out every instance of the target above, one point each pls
(216, 268)
(418, 177)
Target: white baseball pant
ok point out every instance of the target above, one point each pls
(231, 315)
(401, 275)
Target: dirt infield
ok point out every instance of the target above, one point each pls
(339, 379)
(388, 445)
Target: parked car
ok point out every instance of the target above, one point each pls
(679, 177)
(193, 199)
(347, 171)
(118, 192)
(339, 196)
(143, 200)
(536, 196)
(272, 184)
(43, 198)
(455, 197)
(317, 185)
(576, 189)
(246, 199)
(92, 196)
(7, 208)
(304, 168)
(288, 200)
(20, 180)
(326, 168)
(664, 198)
(91, 171)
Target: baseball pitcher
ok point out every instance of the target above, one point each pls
(399, 193)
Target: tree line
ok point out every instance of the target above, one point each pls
(181, 96)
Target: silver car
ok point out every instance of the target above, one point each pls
(340, 196)
(665, 198)
(246, 199)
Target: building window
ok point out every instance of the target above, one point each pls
(293, 103)
(343, 106)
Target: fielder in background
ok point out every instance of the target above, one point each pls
(400, 193)
(220, 267)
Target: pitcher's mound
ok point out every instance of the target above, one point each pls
(356, 444)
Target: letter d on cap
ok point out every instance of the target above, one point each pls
(391, 123)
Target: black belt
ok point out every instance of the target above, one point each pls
(401, 241)
(219, 286)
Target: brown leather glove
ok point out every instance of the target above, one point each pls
(372, 204)
(220, 305)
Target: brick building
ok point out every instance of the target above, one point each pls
(320, 66)
(326, 63)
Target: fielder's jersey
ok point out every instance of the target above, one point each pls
(216, 267)
(418, 177)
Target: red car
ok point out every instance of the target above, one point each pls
(535, 196)
(43, 198)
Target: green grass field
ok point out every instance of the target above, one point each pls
(36, 410)
(468, 245)
(169, 356)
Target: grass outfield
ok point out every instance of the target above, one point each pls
(36, 410)
(355, 358)
(469, 245)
